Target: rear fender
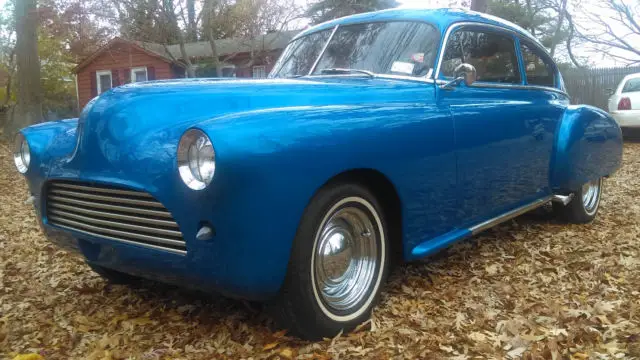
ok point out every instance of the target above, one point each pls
(588, 146)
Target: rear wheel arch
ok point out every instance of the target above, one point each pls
(588, 146)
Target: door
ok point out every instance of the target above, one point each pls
(503, 143)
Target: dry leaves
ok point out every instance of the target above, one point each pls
(532, 289)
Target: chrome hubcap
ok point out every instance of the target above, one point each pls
(346, 257)
(591, 195)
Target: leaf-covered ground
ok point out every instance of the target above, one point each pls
(532, 288)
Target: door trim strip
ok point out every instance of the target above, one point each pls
(509, 215)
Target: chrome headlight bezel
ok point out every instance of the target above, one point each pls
(196, 159)
(21, 153)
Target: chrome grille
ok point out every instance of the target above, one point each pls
(128, 216)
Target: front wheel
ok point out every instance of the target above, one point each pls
(339, 260)
(584, 206)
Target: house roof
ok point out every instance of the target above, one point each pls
(224, 47)
(116, 40)
(200, 49)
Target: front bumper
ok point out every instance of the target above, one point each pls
(627, 119)
(236, 262)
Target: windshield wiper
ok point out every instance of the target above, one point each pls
(340, 71)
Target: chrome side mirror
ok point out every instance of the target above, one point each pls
(463, 73)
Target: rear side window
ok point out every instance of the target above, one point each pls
(539, 69)
(492, 54)
(632, 85)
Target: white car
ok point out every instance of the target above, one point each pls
(624, 104)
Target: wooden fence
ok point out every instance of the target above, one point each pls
(589, 86)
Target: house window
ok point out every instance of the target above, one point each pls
(139, 74)
(259, 72)
(229, 71)
(104, 81)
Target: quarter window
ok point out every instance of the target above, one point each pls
(539, 69)
(104, 81)
(492, 54)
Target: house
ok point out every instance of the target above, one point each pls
(123, 61)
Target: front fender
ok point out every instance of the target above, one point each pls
(48, 141)
(588, 146)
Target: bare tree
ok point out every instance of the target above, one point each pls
(192, 28)
(171, 14)
(611, 28)
(28, 108)
(561, 9)
(249, 20)
(212, 11)
(264, 16)
(11, 69)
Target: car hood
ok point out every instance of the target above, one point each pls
(142, 123)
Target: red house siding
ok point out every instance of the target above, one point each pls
(120, 58)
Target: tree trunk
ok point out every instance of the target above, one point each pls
(556, 35)
(192, 34)
(28, 108)
(171, 16)
(570, 39)
(480, 5)
(8, 90)
(214, 52)
(530, 16)
(191, 73)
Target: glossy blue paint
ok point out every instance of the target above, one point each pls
(455, 158)
(588, 145)
(432, 246)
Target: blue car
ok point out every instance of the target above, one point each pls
(377, 138)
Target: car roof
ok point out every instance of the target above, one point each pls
(441, 18)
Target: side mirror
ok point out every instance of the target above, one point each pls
(463, 73)
(609, 92)
(467, 72)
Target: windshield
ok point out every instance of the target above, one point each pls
(392, 48)
(632, 85)
(298, 58)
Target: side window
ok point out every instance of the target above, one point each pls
(539, 69)
(492, 54)
(632, 85)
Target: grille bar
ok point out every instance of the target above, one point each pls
(114, 199)
(85, 188)
(128, 216)
(151, 246)
(111, 207)
(106, 214)
(114, 224)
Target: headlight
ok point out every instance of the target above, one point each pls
(196, 159)
(21, 153)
